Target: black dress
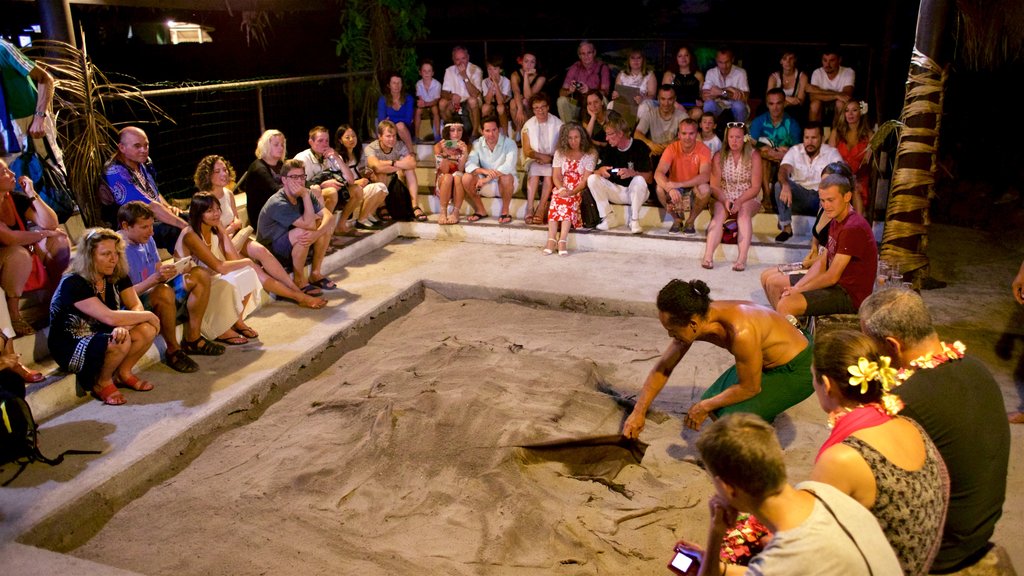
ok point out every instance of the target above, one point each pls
(78, 342)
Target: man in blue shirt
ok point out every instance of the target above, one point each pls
(165, 291)
(773, 133)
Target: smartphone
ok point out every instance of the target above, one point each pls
(686, 562)
(613, 170)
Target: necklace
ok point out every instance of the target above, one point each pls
(948, 353)
(101, 289)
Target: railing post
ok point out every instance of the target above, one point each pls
(259, 109)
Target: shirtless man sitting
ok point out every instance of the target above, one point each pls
(773, 358)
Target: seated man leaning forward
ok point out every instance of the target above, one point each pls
(838, 283)
(817, 529)
(324, 167)
(683, 176)
(796, 192)
(166, 290)
(491, 171)
(773, 358)
(293, 221)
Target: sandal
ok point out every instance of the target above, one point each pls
(201, 346)
(563, 247)
(135, 383)
(109, 395)
(232, 340)
(312, 290)
(505, 219)
(383, 214)
(179, 360)
(548, 251)
(475, 217)
(245, 331)
(29, 376)
(418, 214)
(707, 264)
(22, 328)
(325, 283)
(739, 267)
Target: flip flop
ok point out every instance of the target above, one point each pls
(325, 283)
(418, 214)
(109, 395)
(707, 264)
(738, 267)
(232, 341)
(475, 216)
(135, 383)
(245, 331)
(312, 290)
(505, 219)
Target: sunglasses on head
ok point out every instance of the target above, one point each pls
(735, 124)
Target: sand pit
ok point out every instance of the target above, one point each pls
(468, 437)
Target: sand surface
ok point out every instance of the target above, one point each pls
(469, 437)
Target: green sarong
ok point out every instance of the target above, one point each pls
(781, 387)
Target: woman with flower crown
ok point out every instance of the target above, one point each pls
(885, 462)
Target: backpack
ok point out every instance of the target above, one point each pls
(19, 436)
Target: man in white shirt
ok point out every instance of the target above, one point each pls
(796, 192)
(726, 88)
(463, 86)
(539, 138)
(491, 171)
(831, 86)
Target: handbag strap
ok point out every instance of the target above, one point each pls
(21, 223)
(844, 528)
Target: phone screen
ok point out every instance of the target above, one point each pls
(682, 562)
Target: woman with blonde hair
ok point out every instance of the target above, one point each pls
(851, 135)
(98, 327)
(634, 85)
(735, 184)
(263, 178)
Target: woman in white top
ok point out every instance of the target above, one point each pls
(636, 79)
(793, 83)
(215, 176)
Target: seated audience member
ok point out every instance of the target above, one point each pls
(297, 224)
(539, 138)
(263, 177)
(796, 191)
(707, 132)
(774, 132)
(98, 328)
(165, 290)
(526, 81)
(10, 360)
(838, 283)
(212, 175)
(374, 193)
(575, 159)
(129, 175)
(389, 158)
(325, 168)
(462, 88)
(782, 274)
(1017, 286)
(658, 126)
(886, 463)
(954, 397)
(395, 105)
(773, 357)
(816, 528)
(683, 177)
(428, 94)
(725, 88)
(451, 154)
(595, 118)
(497, 92)
(851, 136)
(589, 74)
(491, 171)
(623, 174)
(793, 83)
(831, 86)
(634, 84)
(28, 229)
(687, 81)
(735, 183)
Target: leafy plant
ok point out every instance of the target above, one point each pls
(81, 99)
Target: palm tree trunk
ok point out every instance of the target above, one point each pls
(905, 239)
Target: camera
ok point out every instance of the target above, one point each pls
(685, 562)
(577, 85)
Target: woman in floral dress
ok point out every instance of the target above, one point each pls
(574, 160)
(735, 183)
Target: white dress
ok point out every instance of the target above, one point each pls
(227, 291)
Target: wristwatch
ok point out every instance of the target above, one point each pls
(40, 114)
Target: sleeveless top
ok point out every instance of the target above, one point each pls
(796, 83)
(687, 88)
(910, 505)
(735, 176)
(227, 214)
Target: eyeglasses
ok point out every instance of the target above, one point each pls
(295, 176)
(735, 124)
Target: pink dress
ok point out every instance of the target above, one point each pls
(572, 172)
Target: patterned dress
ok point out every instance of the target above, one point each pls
(735, 176)
(77, 341)
(910, 505)
(572, 172)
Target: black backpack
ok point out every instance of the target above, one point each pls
(19, 436)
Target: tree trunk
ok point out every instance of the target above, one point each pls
(905, 239)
